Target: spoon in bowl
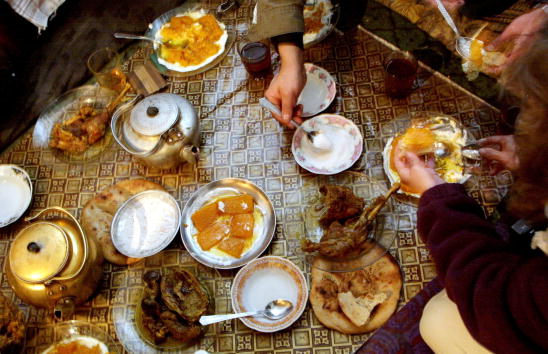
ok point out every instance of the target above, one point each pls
(274, 310)
(316, 138)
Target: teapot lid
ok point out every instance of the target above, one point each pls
(154, 115)
(39, 252)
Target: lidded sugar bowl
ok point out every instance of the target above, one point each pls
(52, 263)
(161, 130)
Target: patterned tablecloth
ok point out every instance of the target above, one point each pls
(240, 139)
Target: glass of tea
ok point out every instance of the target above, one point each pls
(105, 65)
(401, 73)
(255, 57)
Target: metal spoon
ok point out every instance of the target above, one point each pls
(462, 44)
(310, 134)
(468, 151)
(274, 310)
(134, 36)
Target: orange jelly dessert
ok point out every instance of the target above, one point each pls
(205, 216)
(213, 234)
(233, 246)
(75, 347)
(240, 204)
(242, 225)
(418, 140)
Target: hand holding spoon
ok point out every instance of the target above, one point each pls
(274, 310)
(318, 140)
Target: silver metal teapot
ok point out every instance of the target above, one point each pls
(161, 130)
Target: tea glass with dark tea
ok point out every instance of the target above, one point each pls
(400, 74)
(255, 57)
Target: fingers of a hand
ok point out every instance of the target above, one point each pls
(298, 113)
(506, 36)
(288, 105)
(492, 154)
(491, 140)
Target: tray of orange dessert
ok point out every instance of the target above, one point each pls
(227, 223)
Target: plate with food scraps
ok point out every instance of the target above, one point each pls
(78, 337)
(75, 126)
(227, 223)
(141, 329)
(318, 93)
(266, 279)
(345, 144)
(423, 130)
(15, 193)
(194, 40)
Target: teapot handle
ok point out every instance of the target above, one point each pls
(80, 230)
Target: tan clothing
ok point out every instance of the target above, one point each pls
(277, 17)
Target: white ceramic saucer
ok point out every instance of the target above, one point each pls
(15, 193)
(318, 93)
(346, 140)
(264, 280)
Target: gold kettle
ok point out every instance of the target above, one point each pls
(53, 264)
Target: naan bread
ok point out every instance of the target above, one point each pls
(356, 302)
(98, 213)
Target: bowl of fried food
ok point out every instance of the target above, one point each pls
(348, 218)
(75, 126)
(165, 317)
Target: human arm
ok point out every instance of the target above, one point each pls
(500, 293)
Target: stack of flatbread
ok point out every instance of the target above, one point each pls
(356, 302)
(98, 213)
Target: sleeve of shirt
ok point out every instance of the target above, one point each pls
(500, 292)
(277, 17)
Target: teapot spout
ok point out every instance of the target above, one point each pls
(191, 154)
(64, 308)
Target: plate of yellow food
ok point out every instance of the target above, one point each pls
(420, 137)
(227, 223)
(193, 40)
(80, 337)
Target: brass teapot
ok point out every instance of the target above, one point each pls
(161, 130)
(53, 264)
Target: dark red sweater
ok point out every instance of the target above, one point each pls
(501, 292)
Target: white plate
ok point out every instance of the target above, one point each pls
(318, 93)
(346, 150)
(264, 280)
(15, 193)
(222, 187)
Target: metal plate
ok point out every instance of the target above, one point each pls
(188, 6)
(204, 195)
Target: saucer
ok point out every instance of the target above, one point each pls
(318, 93)
(15, 193)
(346, 139)
(264, 280)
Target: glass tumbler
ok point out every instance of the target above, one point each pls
(105, 65)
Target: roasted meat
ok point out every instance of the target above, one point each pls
(349, 239)
(182, 294)
(157, 317)
(339, 203)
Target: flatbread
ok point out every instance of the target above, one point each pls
(98, 213)
(380, 282)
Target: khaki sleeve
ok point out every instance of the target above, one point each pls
(277, 17)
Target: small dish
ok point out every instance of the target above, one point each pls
(15, 193)
(266, 279)
(86, 333)
(318, 93)
(145, 224)
(227, 187)
(66, 106)
(344, 135)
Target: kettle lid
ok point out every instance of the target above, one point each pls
(39, 252)
(154, 115)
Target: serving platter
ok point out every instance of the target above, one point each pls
(189, 6)
(223, 187)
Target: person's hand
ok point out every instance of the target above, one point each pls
(450, 5)
(502, 158)
(417, 174)
(285, 88)
(520, 33)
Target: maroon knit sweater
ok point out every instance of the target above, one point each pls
(501, 293)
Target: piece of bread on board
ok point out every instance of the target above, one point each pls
(99, 211)
(378, 282)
